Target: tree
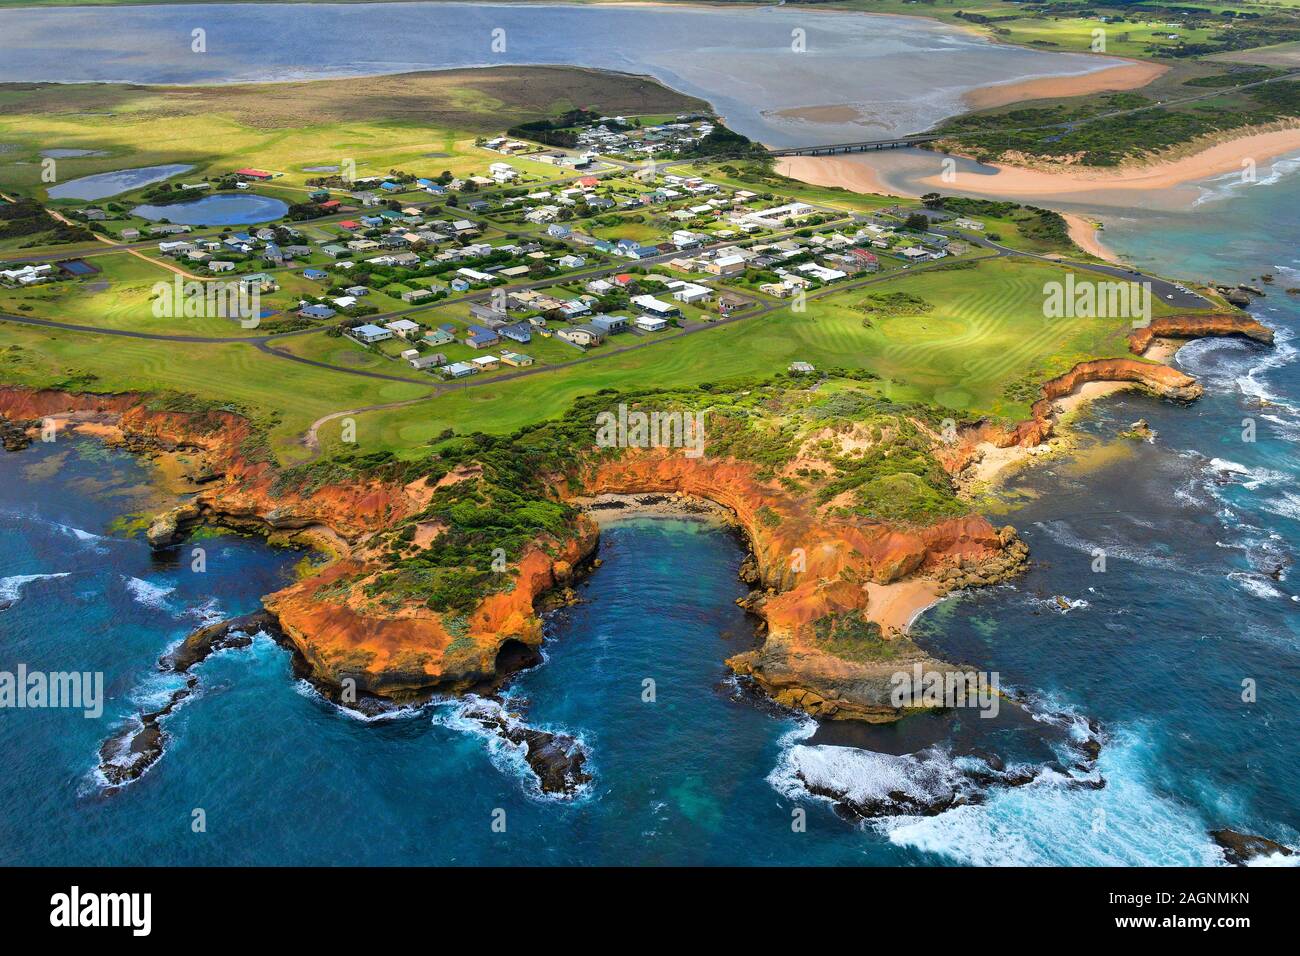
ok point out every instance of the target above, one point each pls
(917, 222)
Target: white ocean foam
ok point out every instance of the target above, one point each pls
(1251, 478)
(864, 776)
(11, 587)
(1231, 183)
(508, 757)
(305, 688)
(1051, 823)
(1061, 533)
(1287, 506)
(207, 613)
(147, 593)
(1275, 859)
(1255, 584)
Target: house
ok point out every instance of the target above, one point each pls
(406, 260)
(558, 231)
(368, 334)
(438, 336)
(583, 336)
(357, 291)
(599, 287)
(517, 359)
(458, 369)
(477, 337)
(656, 307)
(610, 324)
(129, 234)
(575, 308)
(725, 265)
(650, 323)
(518, 332)
(428, 360)
(334, 251)
(345, 301)
(259, 281)
(571, 261)
(417, 295)
(489, 317)
(729, 302)
(316, 312)
(316, 275)
(801, 368)
(690, 292)
(404, 327)
(219, 265)
(486, 363)
(260, 175)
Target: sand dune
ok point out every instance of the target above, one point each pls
(1128, 76)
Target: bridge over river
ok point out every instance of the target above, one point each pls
(862, 147)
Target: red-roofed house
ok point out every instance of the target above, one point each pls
(331, 204)
(349, 224)
(253, 173)
(622, 278)
(588, 181)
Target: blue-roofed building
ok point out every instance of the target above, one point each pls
(518, 332)
(316, 275)
(370, 333)
(316, 312)
(477, 337)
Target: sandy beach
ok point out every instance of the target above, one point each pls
(1085, 235)
(1127, 76)
(895, 606)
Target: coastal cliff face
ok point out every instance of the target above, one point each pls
(829, 559)
(1197, 326)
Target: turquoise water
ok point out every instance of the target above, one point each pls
(218, 210)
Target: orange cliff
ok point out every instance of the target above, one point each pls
(1197, 326)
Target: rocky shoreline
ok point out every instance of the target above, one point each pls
(816, 580)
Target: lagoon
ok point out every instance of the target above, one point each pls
(103, 185)
(781, 75)
(217, 210)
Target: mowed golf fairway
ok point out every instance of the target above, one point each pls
(986, 330)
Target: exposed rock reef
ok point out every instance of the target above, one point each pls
(1240, 848)
(136, 747)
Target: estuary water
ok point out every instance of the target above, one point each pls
(763, 69)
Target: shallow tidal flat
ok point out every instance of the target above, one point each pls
(783, 76)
